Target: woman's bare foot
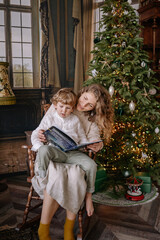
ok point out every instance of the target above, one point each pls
(89, 204)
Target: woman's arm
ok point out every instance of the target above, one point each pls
(94, 135)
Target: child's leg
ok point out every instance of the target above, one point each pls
(45, 155)
(89, 204)
(90, 168)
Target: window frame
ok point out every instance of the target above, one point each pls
(35, 23)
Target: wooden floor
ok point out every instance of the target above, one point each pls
(107, 223)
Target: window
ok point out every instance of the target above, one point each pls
(19, 41)
(97, 14)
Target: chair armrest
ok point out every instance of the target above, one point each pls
(31, 159)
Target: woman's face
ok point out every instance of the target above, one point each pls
(86, 102)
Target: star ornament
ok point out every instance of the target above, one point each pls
(125, 84)
(145, 94)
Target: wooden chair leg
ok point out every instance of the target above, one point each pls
(28, 204)
(26, 211)
(79, 236)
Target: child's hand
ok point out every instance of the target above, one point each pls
(41, 136)
(95, 147)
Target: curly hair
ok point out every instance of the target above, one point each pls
(65, 96)
(103, 113)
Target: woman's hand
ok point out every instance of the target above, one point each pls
(41, 136)
(95, 147)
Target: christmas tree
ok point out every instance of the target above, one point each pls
(122, 66)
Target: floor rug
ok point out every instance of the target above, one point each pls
(106, 199)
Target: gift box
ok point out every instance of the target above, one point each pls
(101, 172)
(101, 177)
(147, 183)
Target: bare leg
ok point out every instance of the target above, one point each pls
(89, 204)
(70, 215)
(49, 208)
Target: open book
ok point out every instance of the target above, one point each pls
(62, 140)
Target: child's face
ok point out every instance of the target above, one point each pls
(63, 110)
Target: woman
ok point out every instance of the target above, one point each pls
(94, 109)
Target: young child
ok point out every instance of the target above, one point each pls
(64, 102)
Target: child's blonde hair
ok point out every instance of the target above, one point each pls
(65, 96)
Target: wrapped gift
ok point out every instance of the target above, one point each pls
(101, 172)
(101, 177)
(147, 183)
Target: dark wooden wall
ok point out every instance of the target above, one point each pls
(25, 115)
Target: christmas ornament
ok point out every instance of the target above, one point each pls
(123, 44)
(96, 40)
(94, 73)
(139, 145)
(120, 111)
(144, 155)
(127, 73)
(133, 134)
(126, 173)
(114, 66)
(134, 193)
(149, 73)
(125, 84)
(132, 106)
(143, 64)
(152, 91)
(138, 45)
(139, 78)
(111, 90)
(145, 93)
(156, 130)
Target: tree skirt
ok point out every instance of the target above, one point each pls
(106, 199)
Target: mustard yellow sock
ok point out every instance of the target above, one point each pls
(68, 229)
(43, 232)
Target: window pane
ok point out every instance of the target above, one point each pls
(27, 50)
(16, 50)
(26, 19)
(17, 64)
(1, 17)
(2, 59)
(2, 34)
(16, 34)
(27, 65)
(16, 2)
(1, 1)
(26, 2)
(28, 80)
(18, 79)
(2, 49)
(15, 19)
(26, 35)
